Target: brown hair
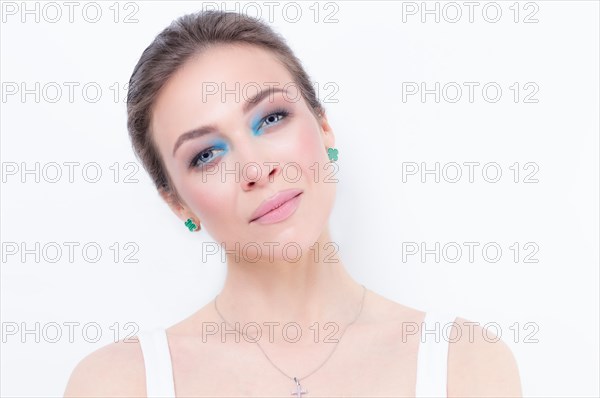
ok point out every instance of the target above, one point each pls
(184, 38)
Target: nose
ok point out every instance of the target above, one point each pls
(256, 174)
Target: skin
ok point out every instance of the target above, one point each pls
(376, 356)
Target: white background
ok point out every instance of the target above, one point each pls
(366, 55)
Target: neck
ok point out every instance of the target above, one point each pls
(316, 288)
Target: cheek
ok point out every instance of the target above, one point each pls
(307, 145)
(207, 199)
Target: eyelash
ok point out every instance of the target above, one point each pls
(279, 111)
(196, 159)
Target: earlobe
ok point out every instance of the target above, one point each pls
(328, 135)
(180, 211)
(173, 203)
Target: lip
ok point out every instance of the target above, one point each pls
(274, 202)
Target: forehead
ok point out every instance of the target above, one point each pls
(211, 85)
(241, 62)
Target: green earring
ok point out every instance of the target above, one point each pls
(333, 154)
(191, 226)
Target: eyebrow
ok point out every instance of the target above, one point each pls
(248, 105)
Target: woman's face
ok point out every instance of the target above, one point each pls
(250, 151)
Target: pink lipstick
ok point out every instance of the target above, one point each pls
(278, 207)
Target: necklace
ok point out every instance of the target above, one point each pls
(299, 391)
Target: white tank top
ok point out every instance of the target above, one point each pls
(432, 358)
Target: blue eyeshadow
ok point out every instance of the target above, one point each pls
(255, 123)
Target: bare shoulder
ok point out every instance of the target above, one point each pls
(381, 307)
(114, 370)
(480, 364)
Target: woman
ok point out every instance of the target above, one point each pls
(225, 120)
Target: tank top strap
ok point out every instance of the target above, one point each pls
(157, 361)
(432, 358)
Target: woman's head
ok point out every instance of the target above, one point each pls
(206, 70)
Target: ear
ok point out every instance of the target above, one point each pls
(328, 136)
(175, 204)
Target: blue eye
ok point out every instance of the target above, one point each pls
(204, 157)
(272, 118)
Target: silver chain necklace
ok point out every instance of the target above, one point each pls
(298, 388)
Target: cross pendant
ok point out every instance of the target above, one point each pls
(299, 391)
